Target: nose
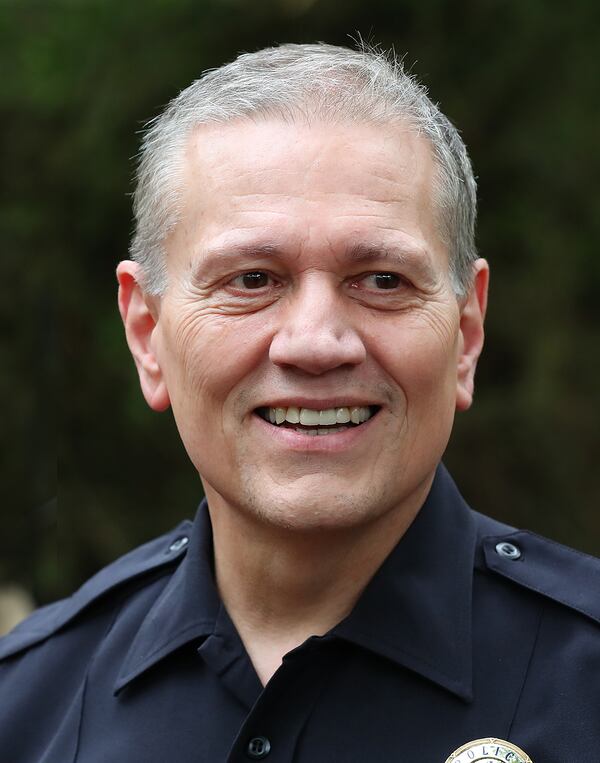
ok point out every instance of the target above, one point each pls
(315, 333)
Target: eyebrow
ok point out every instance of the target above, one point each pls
(416, 257)
(366, 252)
(247, 250)
(207, 260)
(238, 249)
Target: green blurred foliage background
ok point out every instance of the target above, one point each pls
(86, 470)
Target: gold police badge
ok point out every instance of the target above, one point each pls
(489, 751)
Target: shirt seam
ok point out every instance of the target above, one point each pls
(546, 594)
(561, 546)
(83, 698)
(527, 670)
(116, 614)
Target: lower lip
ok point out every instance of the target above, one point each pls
(305, 443)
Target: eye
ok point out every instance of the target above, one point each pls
(385, 280)
(254, 279)
(380, 281)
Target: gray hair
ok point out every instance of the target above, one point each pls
(313, 83)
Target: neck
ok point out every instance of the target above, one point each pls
(281, 586)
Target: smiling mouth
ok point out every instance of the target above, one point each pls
(318, 422)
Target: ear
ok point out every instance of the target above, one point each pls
(140, 314)
(471, 335)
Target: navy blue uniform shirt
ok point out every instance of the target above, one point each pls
(469, 629)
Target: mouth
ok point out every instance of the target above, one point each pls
(318, 422)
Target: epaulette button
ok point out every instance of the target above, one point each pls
(178, 544)
(508, 550)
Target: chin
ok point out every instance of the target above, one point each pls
(315, 509)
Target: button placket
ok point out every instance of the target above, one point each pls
(282, 708)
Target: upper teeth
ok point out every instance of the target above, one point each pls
(328, 417)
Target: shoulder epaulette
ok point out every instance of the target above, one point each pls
(557, 572)
(45, 621)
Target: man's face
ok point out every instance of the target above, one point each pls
(307, 280)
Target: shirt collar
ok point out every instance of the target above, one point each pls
(186, 610)
(415, 611)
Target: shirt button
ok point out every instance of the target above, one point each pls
(258, 747)
(508, 550)
(178, 544)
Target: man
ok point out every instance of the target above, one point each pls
(304, 292)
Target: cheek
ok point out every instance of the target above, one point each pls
(206, 356)
(422, 362)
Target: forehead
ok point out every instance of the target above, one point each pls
(292, 181)
(250, 153)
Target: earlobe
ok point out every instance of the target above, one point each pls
(471, 335)
(139, 320)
